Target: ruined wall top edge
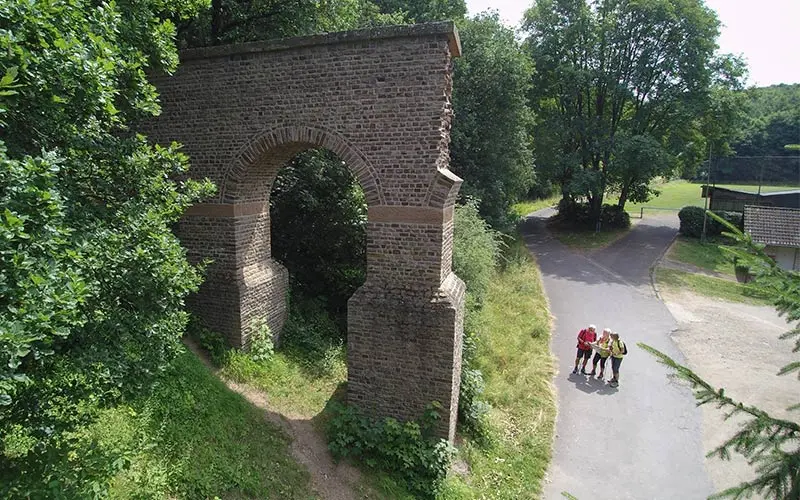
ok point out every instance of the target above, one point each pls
(446, 28)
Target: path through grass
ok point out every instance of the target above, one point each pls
(194, 438)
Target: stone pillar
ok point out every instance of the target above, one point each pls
(243, 285)
(405, 324)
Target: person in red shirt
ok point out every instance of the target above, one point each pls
(585, 338)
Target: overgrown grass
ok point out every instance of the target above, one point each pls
(709, 256)
(710, 287)
(194, 438)
(514, 355)
(525, 207)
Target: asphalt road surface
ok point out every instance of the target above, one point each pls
(643, 439)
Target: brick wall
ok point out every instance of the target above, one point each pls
(378, 98)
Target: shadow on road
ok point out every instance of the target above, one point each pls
(591, 385)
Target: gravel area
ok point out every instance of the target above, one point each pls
(735, 346)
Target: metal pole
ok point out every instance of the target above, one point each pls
(708, 195)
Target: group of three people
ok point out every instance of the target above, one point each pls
(608, 345)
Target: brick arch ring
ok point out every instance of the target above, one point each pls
(278, 137)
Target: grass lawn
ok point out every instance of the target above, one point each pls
(523, 208)
(680, 193)
(514, 356)
(708, 256)
(710, 287)
(194, 438)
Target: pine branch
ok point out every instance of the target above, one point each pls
(770, 444)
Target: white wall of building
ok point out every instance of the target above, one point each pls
(787, 258)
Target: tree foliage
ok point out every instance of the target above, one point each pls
(92, 280)
(490, 140)
(771, 445)
(615, 77)
(236, 21)
(319, 216)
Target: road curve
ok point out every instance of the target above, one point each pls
(642, 440)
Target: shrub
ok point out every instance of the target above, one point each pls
(312, 337)
(579, 216)
(476, 250)
(408, 451)
(691, 221)
(614, 217)
(260, 347)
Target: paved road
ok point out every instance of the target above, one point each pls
(643, 439)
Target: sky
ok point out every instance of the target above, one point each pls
(765, 32)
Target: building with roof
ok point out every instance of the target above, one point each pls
(734, 200)
(777, 228)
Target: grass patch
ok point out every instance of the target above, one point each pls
(586, 240)
(711, 287)
(525, 207)
(709, 256)
(292, 389)
(514, 355)
(194, 438)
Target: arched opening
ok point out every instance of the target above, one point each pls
(318, 218)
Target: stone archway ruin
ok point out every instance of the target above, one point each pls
(380, 99)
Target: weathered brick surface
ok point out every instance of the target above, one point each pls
(380, 99)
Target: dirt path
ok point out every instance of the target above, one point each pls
(331, 481)
(735, 346)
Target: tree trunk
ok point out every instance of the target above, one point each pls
(623, 196)
(216, 21)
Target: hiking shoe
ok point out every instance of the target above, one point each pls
(575, 371)
(613, 383)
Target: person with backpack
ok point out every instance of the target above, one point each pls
(618, 351)
(585, 339)
(602, 354)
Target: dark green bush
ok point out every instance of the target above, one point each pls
(407, 451)
(692, 222)
(614, 217)
(578, 216)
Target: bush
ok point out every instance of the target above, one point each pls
(312, 337)
(476, 250)
(614, 217)
(408, 451)
(692, 222)
(260, 347)
(578, 215)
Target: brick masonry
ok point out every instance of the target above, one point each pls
(380, 99)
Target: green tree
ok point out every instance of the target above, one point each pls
(642, 67)
(770, 444)
(490, 140)
(92, 281)
(237, 21)
(421, 11)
